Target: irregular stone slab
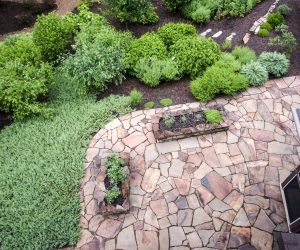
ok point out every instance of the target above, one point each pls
(247, 148)
(177, 236)
(194, 240)
(238, 237)
(280, 148)
(200, 217)
(150, 179)
(167, 147)
(146, 240)
(264, 223)
(210, 157)
(150, 218)
(109, 228)
(235, 200)
(160, 208)
(185, 217)
(134, 139)
(164, 239)
(217, 185)
(183, 186)
(261, 240)
(241, 219)
(190, 142)
(126, 239)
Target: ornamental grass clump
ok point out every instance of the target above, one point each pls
(255, 73)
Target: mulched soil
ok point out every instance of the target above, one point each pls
(179, 91)
(16, 16)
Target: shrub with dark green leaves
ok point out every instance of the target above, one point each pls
(132, 11)
(166, 102)
(148, 45)
(136, 97)
(52, 34)
(283, 9)
(255, 73)
(266, 26)
(216, 80)
(149, 105)
(287, 43)
(263, 32)
(276, 64)
(275, 19)
(244, 54)
(194, 55)
(100, 62)
(152, 71)
(213, 116)
(175, 4)
(170, 33)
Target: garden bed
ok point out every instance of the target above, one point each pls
(187, 123)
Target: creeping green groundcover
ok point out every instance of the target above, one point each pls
(41, 163)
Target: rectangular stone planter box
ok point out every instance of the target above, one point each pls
(201, 129)
(106, 209)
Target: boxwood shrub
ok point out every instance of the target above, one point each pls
(193, 55)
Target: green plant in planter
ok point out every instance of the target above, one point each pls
(213, 116)
(183, 119)
(149, 105)
(169, 121)
(112, 194)
(166, 102)
(136, 97)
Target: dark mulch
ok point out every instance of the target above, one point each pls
(16, 16)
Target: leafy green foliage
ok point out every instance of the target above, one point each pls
(166, 102)
(255, 73)
(52, 35)
(100, 61)
(169, 121)
(136, 97)
(149, 105)
(115, 170)
(41, 166)
(132, 11)
(275, 19)
(173, 5)
(287, 42)
(217, 80)
(170, 33)
(148, 45)
(213, 116)
(276, 64)
(266, 26)
(283, 9)
(152, 71)
(112, 194)
(244, 54)
(263, 32)
(194, 55)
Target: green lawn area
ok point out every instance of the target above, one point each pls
(41, 163)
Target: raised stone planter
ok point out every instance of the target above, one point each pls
(107, 209)
(201, 129)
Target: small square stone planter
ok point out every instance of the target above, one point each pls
(107, 209)
(162, 134)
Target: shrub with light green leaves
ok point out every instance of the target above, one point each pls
(244, 54)
(52, 34)
(170, 33)
(276, 64)
(193, 55)
(132, 11)
(216, 80)
(255, 73)
(148, 45)
(152, 71)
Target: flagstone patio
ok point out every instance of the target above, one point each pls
(218, 191)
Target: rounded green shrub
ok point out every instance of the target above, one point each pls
(244, 54)
(149, 105)
(148, 45)
(215, 81)
(263, 32)
(194, 55)
(266, 26)
(275, 19)
(213, 116)
(166, 102)
(170, 33)
(136, 97)
(276, 63)
(283, 9)
(52, 34)
(255, 73)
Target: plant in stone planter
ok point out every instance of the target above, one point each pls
(213, 116)
(169, 121)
